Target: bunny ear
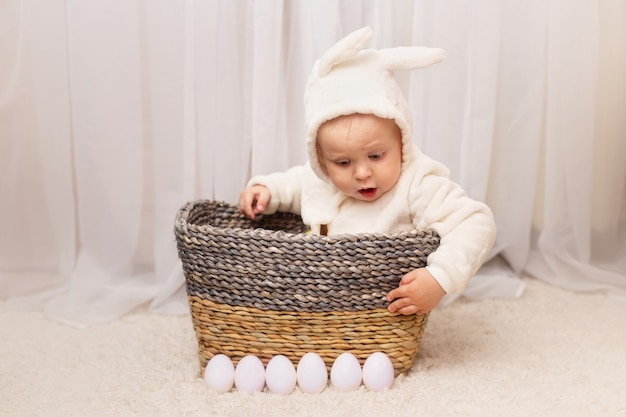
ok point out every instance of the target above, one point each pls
(410, 57)
(345, 49)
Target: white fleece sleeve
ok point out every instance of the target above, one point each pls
(285, 189)
(466, 227)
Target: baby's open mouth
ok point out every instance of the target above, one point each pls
(368, 192)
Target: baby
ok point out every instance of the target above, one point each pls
(365, 175)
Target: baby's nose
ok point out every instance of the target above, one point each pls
(362, 171)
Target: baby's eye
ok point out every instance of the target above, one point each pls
(343, 163)
(376, 156)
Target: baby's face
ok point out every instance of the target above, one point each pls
(361, 154)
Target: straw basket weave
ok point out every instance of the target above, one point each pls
(265, 287)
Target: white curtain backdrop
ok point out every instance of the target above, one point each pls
(114, 113)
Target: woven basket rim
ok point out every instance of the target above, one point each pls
(182, 226)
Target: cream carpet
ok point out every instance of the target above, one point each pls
(549, 353)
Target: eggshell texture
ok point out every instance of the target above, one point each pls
(250, 375)
(312, 374)
(219, 373)
(345, 374)
(378, 373)
(280, 375)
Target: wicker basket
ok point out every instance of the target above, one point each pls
(265, 287)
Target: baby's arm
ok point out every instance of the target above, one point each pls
(253, 200)
(467, 231)
(418, 293)
(267, 194)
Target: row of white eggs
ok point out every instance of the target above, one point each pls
(281, 376)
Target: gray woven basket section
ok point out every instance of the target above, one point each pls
(272, 264)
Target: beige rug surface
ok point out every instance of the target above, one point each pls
(549, 353)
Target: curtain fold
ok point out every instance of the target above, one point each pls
(566, 244)
(113, 114)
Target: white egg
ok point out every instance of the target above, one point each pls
(220, 373)
(345, 374)
(312, 374)
(378, 373)
(250, 375)
(280, 375)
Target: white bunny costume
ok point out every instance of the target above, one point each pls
(348, 79)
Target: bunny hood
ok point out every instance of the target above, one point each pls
(348, 79)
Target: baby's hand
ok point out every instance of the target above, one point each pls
(253, 200)
(418, 293)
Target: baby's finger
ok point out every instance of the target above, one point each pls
(261, 203)
(398, 304)
(246, 205)
(410, 309)
(408, 278)
(397, 293)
